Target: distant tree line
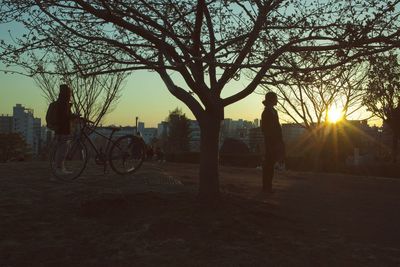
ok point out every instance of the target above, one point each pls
(13, 147)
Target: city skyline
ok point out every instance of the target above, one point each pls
(151, 104)
(130, 124)
(145, 104)
(144, 95)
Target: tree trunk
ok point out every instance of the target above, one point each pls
(209, 159)
(394, 147)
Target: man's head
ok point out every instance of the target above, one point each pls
(271, 99)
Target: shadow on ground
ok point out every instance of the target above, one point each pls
(153, 220)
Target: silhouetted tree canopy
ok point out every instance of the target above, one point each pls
(382, 94)
(178, 131)
(12, 147)
(203, 43)
(307, 98)
(93, 96)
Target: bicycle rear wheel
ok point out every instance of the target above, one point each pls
(127, 154)
(69, 159)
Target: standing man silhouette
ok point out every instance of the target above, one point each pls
(273, 141)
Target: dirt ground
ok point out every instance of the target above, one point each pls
(153, 219)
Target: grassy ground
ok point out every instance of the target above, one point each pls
(153, 219)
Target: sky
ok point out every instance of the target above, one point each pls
(144, 95)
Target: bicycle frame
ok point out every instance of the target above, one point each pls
(83, 135)
(80, 136)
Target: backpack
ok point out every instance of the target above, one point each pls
(51, 116)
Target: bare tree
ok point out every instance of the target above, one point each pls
(206, 43)
(178, 131)
(93, 96)
(308, 98)
(382, 94)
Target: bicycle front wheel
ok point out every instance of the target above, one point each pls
(127, 154)
(69, 159)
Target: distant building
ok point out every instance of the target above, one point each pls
(194, 135)
(104, 130)
(37, 140)
(194, 138)
(291, 132)
(256, 123)
(256, 140)
(140, 127)
(23, 123)
(27, 126)
(162, 129)
(149, 134)
(238, 129)
(6, 124)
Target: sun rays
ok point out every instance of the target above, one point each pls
(335, 114)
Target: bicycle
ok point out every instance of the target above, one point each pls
(125, 154)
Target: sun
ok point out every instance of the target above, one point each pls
(334, 114)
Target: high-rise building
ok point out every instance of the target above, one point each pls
(6, 124)
(238, 129)
(27, 126)
(162, 129)
(37, 140)
(23, 123)
(148, 134)
(140, 127)
(194, 136)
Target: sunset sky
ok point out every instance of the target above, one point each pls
(144, 95)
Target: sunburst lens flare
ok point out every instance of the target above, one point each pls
(334, 115)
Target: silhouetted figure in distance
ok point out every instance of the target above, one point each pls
(273, 141)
